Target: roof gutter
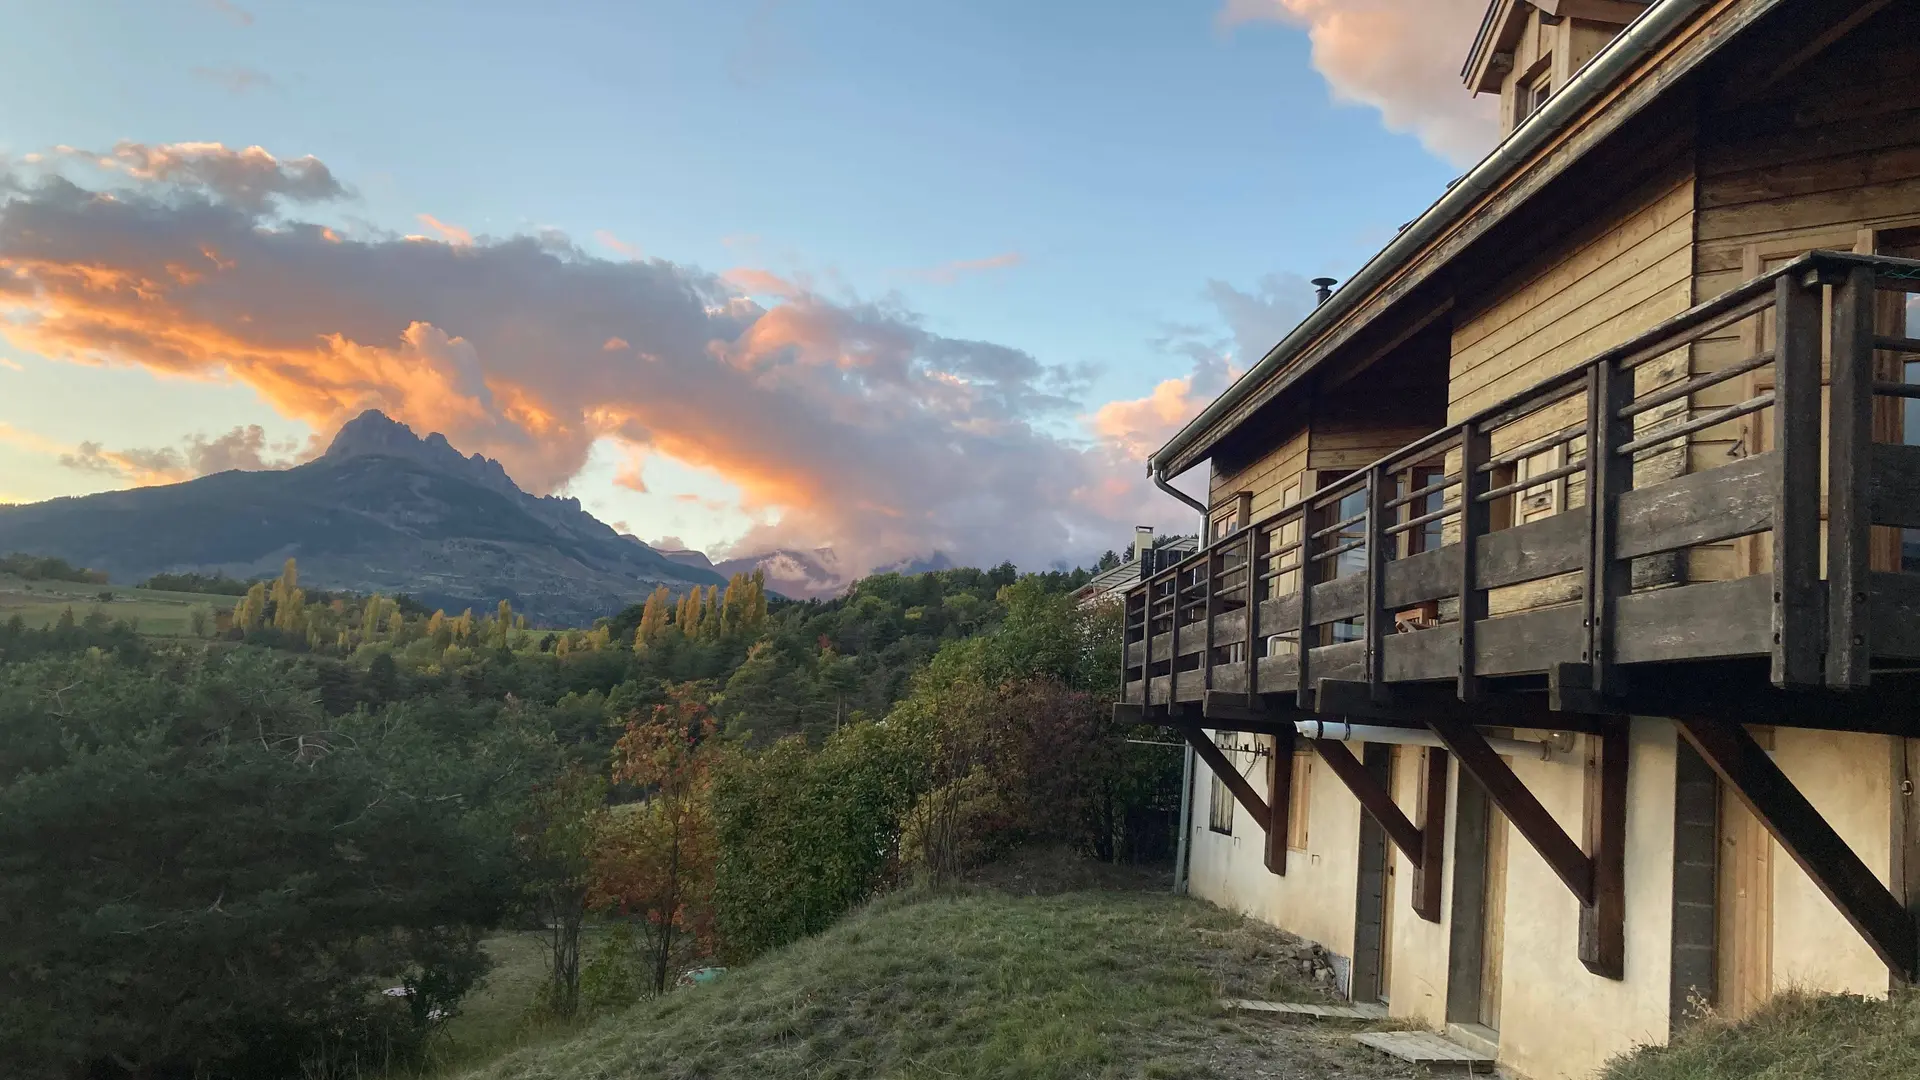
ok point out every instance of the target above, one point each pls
(1647, 30)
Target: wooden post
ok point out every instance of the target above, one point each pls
(1173, 646)
(1310, 519)
(1849, 456)
(1609, 476)
(1279, 799)
(1603, 938)
(1376, 609)
(1257, 541)
(1476, 517)
(1433, 837)
(1867, 904)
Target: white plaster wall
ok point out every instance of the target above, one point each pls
(1558, 1019)
(1316, 896)
(1848, 778)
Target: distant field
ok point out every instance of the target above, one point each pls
(163, 614)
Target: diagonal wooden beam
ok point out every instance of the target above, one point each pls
(1522, 809)
(1793, 821)
(1230, 776)
(1375, 798)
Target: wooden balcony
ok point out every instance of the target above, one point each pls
(1413, 575)
(1439, 589)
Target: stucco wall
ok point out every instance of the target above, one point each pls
(1848, 778)
(1315, 898)
(1557, 1019)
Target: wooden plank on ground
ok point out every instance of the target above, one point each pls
(1422, 1048)
(1365, 1010)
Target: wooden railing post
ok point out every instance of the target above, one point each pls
(1257, 541)
(1609, 475)
(1476, 518)
(1210, 606)
(1849, 456)
(1310, 519)
(1376, 607)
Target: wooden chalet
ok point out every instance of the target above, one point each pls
(1554, 653)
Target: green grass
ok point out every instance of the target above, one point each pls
(978, 983)
(162, 614)
(1797, 1036)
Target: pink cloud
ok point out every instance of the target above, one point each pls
(615, 244)
(948, 273)
(843, 424)
(452, 234)
(1399, 56)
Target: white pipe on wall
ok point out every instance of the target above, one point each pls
(1342, 731)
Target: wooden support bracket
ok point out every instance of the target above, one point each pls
(1242, 791)
(1806, 836)
(1379, 803)
(1531, 819)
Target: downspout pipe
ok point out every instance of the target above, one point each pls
(1651, 27)
(1160, 481)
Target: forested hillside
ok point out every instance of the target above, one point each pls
(277, 851)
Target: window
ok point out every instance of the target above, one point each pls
(1220, 805)
(1426, 537)
(1300, 797)
(1533, 93)
(1349, 562)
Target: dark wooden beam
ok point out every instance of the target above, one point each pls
(1603, 937)
(1414, 704)
(1522, 809)
(1230, 776)
(1799, 639)
(1433, 837)
(1849, 495)
(1279, 800)
(1227, 705)
(1805, 835)
(1377, 800)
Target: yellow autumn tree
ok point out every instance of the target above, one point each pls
(251, 610)
(653, 619)
(289, 601)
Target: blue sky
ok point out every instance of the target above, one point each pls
(1064, 179)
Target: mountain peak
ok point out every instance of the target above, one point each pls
(373, 432)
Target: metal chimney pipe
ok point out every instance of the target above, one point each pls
(1323, 288)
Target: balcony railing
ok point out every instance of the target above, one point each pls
(1550, 531)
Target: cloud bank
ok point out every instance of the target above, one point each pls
(1400, 56)
(844, 423)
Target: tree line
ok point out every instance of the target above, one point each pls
(279, 851)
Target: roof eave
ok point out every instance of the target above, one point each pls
(1188, 448)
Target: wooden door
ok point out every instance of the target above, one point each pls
(1743, 939)
(1371, 946)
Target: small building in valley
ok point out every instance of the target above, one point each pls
(1554, 651)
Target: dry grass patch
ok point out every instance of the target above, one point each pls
(1797, 1036)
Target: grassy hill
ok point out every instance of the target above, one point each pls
(164, 614)
(977, 983)
(1795, 1037)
